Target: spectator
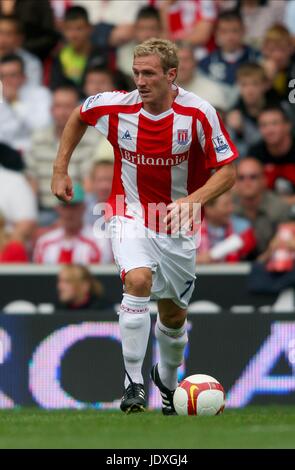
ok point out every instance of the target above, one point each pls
(11, 251)
(72, 241)
(17, 204)
(100, 189)
(190, 78)
(11, 40)
(78, 53)
(279, 58)
(147, 25)
(253, 201)
(258, 16)
(255, 94)
(97, 80)
(224, 236)
(114, 20)
(39, 159)
(280, 254)
(25, 108)
(37, 22)
(222, 64)
(276, 151)
(275, 269)
(192, 21)
(79, 290)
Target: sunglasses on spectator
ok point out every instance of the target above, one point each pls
(250, 176)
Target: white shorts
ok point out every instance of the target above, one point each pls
(172, 260)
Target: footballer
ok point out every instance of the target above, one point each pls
(171, 151)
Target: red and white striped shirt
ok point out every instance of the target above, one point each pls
(54, 248)
(158, 158)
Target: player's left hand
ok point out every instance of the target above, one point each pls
(183, 213)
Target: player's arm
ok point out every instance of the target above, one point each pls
(220, 182)
(61, 184)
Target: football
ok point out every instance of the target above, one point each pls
(199, 395)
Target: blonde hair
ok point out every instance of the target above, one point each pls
(78, 272)
(277, 33)
(166, 50)
(251, 70)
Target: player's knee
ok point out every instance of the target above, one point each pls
(138, 282)
(174, 320)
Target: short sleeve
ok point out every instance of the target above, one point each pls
(214, 138)
(93, 108)
(96, 110)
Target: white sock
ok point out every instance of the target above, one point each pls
(135, 324)
(171, 345)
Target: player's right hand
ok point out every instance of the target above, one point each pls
(62, 186)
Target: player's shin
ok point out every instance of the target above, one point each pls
(135, 326)
(172, 343)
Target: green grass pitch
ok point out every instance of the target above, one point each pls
(271, 427)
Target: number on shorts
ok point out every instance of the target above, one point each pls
(188, 284)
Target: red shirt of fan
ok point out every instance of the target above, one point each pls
(14, 252)
(184, 16)
(158, 158)
(54, 248)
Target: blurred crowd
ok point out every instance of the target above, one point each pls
(237, 54)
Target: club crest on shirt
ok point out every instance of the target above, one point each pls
(182, 136)
(220, 144)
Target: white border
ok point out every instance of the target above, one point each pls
(33, 269)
